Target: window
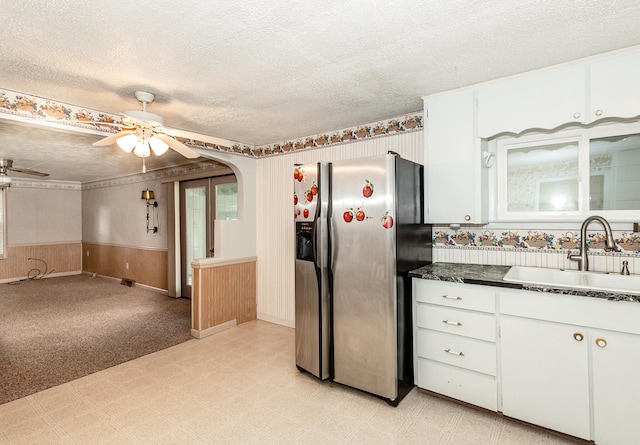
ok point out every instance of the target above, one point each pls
(227, 201)
(570, 174)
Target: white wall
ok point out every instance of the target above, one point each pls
(275, 224)
(41, 213)
(116, 214)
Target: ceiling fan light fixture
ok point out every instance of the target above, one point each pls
(127, 143)
(142, 149)
(159, 147)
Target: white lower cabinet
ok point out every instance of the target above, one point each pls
(571, 364)
(545, 377)
(454, 341)
(616, 387)
(567, 363)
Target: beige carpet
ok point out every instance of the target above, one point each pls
(56, 330)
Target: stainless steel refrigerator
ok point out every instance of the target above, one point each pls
(372, 237)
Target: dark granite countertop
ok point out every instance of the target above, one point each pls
(489, 275)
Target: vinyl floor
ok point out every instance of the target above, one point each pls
(241, 386)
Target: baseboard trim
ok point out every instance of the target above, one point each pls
(49, 275)
(213, 329)
(136, 284)
(276, 320)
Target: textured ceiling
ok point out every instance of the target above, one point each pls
(266, 72)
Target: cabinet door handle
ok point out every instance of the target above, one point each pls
(598, 112)
(449, 351)
(576, 115)
(601, 342)
(453, 323)
(578, 336)
(467, 217)
(449, 297)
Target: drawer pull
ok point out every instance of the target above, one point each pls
(449, 351)
(453, 323)
(578, 336)
(449, 297)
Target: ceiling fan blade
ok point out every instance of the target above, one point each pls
(112, 138)
(144, 117)
(200, 137)
(178, 146)
(28, 172)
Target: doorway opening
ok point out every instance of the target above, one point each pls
(202, 201)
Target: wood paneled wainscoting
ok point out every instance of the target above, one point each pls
(34, 261)
(145, 266)
(223, 294)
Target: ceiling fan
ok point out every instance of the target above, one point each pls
(6, 165)
(144, 132)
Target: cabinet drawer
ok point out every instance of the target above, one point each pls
(467, 353)
(465, 296)
(477, 389)
(455, 321)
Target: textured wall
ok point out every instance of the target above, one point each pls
(145, 266)
(116, 214)
(35, 261)
(44, 229)
(38, 213)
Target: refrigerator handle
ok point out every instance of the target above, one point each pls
(316, 220)
(329, 219)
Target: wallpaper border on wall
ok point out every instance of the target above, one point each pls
(157, 175)
(35, 184)
(552, 240)
(39, 108)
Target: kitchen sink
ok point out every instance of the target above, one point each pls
(574, 279)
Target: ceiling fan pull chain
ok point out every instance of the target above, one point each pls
(144, 166)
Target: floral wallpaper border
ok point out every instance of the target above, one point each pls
(34, 107)
(626, 243)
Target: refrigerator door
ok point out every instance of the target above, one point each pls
(363, 252)
(312, 331)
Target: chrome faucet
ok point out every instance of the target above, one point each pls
(581, 258)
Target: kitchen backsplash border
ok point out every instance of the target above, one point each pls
(548, 248)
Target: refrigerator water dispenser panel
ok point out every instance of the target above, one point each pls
(304, 241)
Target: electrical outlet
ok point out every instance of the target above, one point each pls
(87, 253)
(127, 266)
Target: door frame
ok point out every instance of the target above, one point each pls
(174, 276)
(210, 204)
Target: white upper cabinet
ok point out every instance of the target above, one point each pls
(614, 86)
(544, 99)
(455, 180)
(581, 93)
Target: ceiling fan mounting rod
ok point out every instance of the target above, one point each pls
(145, 97)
